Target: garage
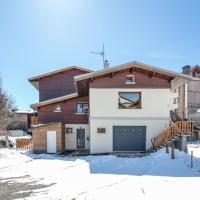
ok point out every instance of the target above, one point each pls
(129, 138)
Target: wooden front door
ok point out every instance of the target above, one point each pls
(80, 138)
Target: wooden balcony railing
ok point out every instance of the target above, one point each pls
(178, 128)
(34, 120)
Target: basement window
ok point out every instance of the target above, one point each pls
(101, 130)
(130, 79)
(82, 108)
(68, 130)
(129, 100)
(57, 108)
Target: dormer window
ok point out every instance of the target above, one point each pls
(57, 108)
(130, 79)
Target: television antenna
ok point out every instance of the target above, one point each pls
(101, 53)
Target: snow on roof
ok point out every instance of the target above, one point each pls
(23, 112)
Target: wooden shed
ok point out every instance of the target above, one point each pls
(48, 138)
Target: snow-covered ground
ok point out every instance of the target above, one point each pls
(152, 177)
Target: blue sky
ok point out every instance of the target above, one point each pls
(38, 36)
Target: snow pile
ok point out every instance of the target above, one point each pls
(195, 148)
(11, 158)
(152, 177)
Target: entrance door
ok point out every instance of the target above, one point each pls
(80, 138)
(51, 141)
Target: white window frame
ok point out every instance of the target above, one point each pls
(56, 106)
(130, 79)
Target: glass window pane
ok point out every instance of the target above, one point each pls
(82, 108)
(85, 107)
(129, 100)
(57, 108)
(79, 108)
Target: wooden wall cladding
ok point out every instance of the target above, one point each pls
(67, 115)
(58, 84)
(142, 80)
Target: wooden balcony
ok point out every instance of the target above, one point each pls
(34, 121)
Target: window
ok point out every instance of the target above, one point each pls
(82, 108)
(57, 108)
(101, 130)
(175, 90)
(130, 79)
(129, 100)
(68, 130)
(175, 100)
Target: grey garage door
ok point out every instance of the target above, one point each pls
(129, 138)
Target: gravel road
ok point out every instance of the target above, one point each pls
(10, 189)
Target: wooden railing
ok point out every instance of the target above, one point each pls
(34, 120)
(180, 127)
(24, 144)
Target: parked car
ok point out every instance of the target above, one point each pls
(3, 142)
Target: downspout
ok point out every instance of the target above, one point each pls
(186, 100)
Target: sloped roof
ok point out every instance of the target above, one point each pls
(34, 80)
(130, 64)
(106, 71)
(54, 100)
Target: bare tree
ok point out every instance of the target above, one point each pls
(6, 110)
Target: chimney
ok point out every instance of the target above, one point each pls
(106, 64)
(187, 70)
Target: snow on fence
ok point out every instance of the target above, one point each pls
(23, 144)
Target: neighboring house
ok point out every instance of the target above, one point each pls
(114, 109)
(20, 123)
(188, 95)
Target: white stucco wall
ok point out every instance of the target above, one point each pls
(70, 138)
(104, 103)
(104, 113)
(102, 143)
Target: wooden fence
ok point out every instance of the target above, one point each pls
(24, 144)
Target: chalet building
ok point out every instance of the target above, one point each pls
(119, 108)
(186, 95)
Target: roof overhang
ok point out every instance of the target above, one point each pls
(35, 80)
(83, 80)
(132, 64)
(54, 100)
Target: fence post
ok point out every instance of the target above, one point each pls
(167, 148)
(191, 159)
(172, 156)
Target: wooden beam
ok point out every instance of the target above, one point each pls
(91, 80)
(151, 74)
(132, 69)
(169, 80)
(111, 74)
